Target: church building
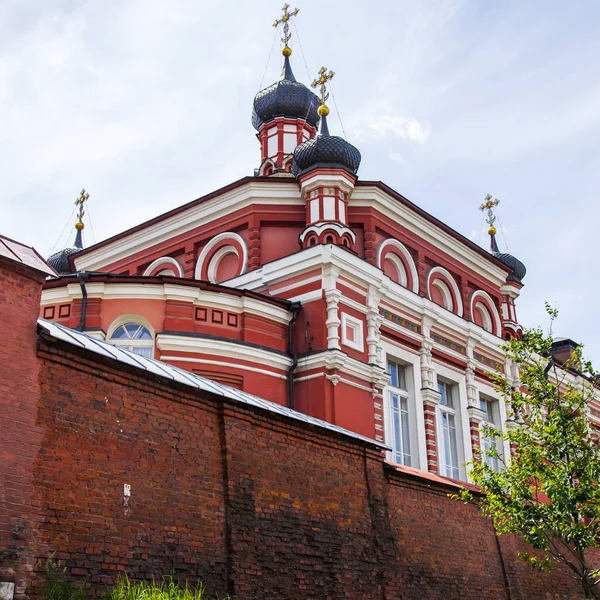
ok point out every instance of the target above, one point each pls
(313, 289)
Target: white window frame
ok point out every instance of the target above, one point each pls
(132, 344)
(399, 455)
(357, 326)
(463, 441)
(490, 392)
(447, 466)
(412, 362)
(491, 402)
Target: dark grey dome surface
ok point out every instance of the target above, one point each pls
(326, 150)
(59, 261)
(285, 98)
(519, 270)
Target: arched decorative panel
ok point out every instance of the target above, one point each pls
(397, 263)
(162, 266)
(224, 257)
(485, 313)
(443, 290)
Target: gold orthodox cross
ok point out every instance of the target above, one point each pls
(83, 196)
(488, 204)
(322, 80)
(285, 20)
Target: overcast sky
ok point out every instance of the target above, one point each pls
(147, 104)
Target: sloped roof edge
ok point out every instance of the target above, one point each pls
(84, 342)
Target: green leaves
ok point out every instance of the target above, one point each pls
(548, 492)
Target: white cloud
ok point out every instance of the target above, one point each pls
(408, 129)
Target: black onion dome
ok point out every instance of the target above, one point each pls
(325, 150)
(519, 270)
(59, 261)
(286, 98)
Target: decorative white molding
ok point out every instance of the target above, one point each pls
(378, 199)
(449, 279)
(167, 261)
(228, 235)
(165, 230)
(489, 304)
(401, 249)
(332, 298)
(320, 227)
(365, 275)
(221, 348)
(356, 325)
(221, 363)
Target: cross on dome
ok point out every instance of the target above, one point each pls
(83, 198)
(287, 51)
(488, 204)
(321, 81)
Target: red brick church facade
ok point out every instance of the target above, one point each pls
(271, 388)
(118, 469)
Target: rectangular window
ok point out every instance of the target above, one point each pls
(491, 411)
(448, 455)
(398, 397)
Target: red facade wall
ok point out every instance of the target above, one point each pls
(253, 504)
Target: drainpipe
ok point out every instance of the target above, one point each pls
(83, 277)
(295, 308)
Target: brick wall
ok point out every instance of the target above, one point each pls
(20, 435)
(251, 504)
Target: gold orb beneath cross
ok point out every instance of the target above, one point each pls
(323, 111)
(79, 225)
(492, 230)
(287, 51)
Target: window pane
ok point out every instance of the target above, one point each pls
(143, 334)
(146, 351)
(401, 376)
(442, 391)
(396, 429)
(120, 333)
(393, 373)
(406, 458)
(449, 395)
(453, 447)
(131, 329)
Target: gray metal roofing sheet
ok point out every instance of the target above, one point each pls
(162, 369)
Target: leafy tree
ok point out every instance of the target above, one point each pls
(549, 490)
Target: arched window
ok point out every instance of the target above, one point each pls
(134, 337)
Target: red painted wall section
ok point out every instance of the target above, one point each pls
(278, 241)
(353, 409)
(20, 433)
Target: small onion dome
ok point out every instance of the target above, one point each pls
(59, 261)
(286, 98)
(519, 270)
(327, 151)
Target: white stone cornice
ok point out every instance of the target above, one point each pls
(167, 343)
(336, 261)
(335, 360)
(194, 217)
(374, 197)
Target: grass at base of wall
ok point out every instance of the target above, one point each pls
(60, 588)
